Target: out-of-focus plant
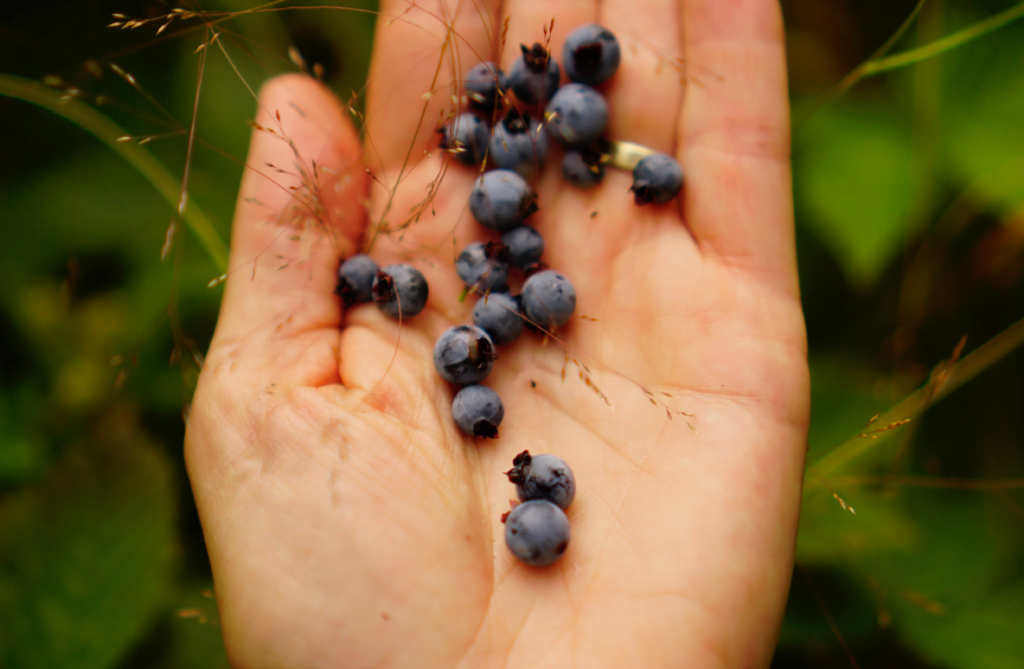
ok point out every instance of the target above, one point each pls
(909, 191)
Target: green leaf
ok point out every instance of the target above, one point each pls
(852, 171)
(86, 557)
(22, 456)
(985, 634)
(984, 103)
(928, 561)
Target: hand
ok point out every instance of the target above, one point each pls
(350, 524)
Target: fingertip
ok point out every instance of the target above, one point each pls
(305, 152)
(308, 112)
(300, 207)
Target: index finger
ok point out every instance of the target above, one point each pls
(421, 51)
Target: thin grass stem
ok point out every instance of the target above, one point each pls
(947, 43)
(945, 379)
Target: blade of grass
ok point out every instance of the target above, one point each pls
(879, 63)
(858, 72)
(946, 378)
(94, 122)
(947, 43)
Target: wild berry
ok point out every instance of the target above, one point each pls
(400, 291)
(656, 179)
(577, 114)
(498, 315)
(484, 85)
(537, 533)
(543, 477)
(501, 200)
(481, 267)
(549, 299)
(355, 280)
(464, 355)
(524, 245)
(591, 54)
(518, 143)
(478, 411)
(466, 138)
(584, 168)
(534, 75)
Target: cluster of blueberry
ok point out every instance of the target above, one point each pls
(502, 199)
(576, 114)
(537, 531)
(400, 290)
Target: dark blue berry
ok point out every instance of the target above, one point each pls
(590, 55)
(583, 168)
(549, 299)
(534, 75)
(537, 532)
(498, 315)
(543, 477)
(501, 200)
(355, 280)
(400, 291)
(657, 179)
(577, 114)
(464, 355)
(478, 411)
(483, 86)
(480, 267)
(519, 143)
(466, 138)
(524, 246)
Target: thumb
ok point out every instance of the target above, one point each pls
(300, 208)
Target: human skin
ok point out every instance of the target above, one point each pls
(348, 521)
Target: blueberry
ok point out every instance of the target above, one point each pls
(519, 143)
(464, 355)
(355, 280)
(483, 86)
(537, 532)
(478, 411)
(543, 477)
(577, 114)
(584, 168)
(466, 138)
(480, 268)
(524, 245)
(590, 55)
(657, 179)
(534, 75)
(501, 200)
(400, 291)
(498, 315)
(548, 299)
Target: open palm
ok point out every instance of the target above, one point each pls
(350, 524)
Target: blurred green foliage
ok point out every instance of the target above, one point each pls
(909, 191)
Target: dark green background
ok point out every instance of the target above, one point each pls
(910, 227)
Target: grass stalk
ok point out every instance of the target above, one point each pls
(947, 377)
(94, 122)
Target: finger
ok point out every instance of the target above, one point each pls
(299, 209)
(735, 137)
(645, 95)
(421, 51)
